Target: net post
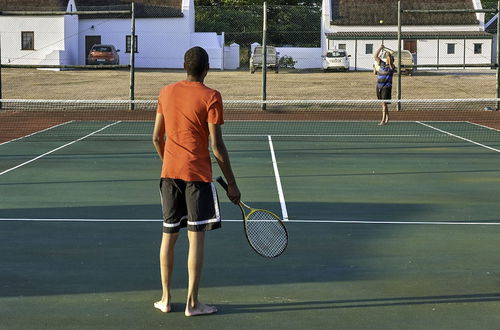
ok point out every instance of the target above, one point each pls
(264, 56)
(132, 56)
(498, 53)
(399, 58)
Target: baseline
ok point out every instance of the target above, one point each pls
(362, 222)
(459, 137)
(56, 149)
(44, 130)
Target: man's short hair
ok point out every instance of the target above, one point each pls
(196, 61)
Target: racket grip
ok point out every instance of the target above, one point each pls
(221, 181)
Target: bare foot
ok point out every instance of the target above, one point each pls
(200, 309)
(163, 306)
(381, 123)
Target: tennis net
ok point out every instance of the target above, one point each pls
(26, 120)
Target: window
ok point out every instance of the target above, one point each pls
(369, 49)
(451, 49)
(28, 40)
(127, 43)
(342, 46)
(478, 48)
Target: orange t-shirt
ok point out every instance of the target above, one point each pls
(187, 108)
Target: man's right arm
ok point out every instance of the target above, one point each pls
(222, 156)
(159, 135)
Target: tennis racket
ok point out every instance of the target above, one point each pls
(264, 230)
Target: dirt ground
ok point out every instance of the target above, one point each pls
(241, 85)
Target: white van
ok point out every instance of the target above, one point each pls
(406, 59)
(336, 59)
(272, 62)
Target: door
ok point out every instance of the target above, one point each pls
(89, 42)
(410, 45)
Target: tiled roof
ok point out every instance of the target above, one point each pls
(371, 12)
(144, 8)
(33, 5)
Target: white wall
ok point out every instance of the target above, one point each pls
(48, 38)
(307, 58)
(426, 51)
(213, 44)
(232, 57)
(161, 42)
(71, 41)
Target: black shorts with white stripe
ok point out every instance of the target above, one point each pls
(384, 93)
(190, 204)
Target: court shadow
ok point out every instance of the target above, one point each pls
(357, 303)
(70, 257)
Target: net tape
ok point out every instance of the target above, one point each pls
(271, 105)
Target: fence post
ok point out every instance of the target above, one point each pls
(264, 56)
(132, 58)
(399, 57)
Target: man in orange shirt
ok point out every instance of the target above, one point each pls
(189, 115)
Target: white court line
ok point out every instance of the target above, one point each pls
(459, 137)
(362, 222)
(484, 126)
(56, 149)
(44, 130)
(278, 180)
(286, 135)
(324, 135)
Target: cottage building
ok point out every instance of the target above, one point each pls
(165, 29)
(360, 26)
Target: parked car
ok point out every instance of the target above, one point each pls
(336, 59)
(406, 59)
(272, 57)
(103, 54)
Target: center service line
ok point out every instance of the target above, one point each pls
(278, 180)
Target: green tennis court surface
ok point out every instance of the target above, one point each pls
(390, 227)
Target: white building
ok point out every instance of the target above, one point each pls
(165, 29)
(360, 26)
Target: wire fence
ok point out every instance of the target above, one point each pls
(319, 52)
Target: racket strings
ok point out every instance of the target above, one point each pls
(266, 233)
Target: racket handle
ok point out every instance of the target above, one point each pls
(221, 181)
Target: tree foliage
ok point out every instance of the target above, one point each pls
(489, 4)
(296, 25)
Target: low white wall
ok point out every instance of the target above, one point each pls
(307, 58)
(212, 43)
(232, 57)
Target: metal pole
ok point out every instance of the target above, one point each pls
(498, 54)
(465, 49)
(356, 54)
(438, 54)
(399, 57)
(132, 58)
(264, 57)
